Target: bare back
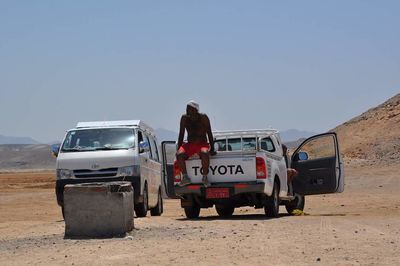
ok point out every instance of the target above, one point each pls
(196, 128)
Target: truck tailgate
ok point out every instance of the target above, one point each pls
(225, 167)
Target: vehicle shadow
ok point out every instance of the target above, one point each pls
(239, 217)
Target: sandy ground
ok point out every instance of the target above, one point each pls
(358, 227)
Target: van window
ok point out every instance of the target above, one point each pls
(146, 138)
(154, 151)
(140, 137)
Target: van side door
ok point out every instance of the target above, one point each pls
(319, 165)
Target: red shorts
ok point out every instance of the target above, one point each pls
(194, 148)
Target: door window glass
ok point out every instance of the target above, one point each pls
(320, 147)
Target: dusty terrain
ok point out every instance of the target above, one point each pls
(358, 227)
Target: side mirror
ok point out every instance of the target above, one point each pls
(302, 156)
(144, 146)
(55, 149)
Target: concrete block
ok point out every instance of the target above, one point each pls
(98, 209)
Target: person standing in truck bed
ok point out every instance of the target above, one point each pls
(198, 128)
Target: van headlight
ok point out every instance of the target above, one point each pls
(64, 173)
(126, 171)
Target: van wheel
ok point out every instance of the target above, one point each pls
(271, 208)
(141, 208)
(224, 210)
(296, 204)
(159, 208)
(192, 212)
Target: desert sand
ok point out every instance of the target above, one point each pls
(358, 227)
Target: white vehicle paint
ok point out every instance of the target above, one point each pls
(112, 151)
(250, 170)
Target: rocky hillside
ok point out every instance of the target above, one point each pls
(374, 135)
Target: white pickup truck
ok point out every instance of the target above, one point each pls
(251, 170)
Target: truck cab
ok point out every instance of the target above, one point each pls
(250, 170)
(112, 151)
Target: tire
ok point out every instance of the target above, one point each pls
(296, 204)
(159, 208)
(271, 208)
(141, 208)
(224, 210)
(192, 212)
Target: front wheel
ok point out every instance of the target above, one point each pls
(271, 207)
(296, 204)
(159, 208)
(141, 208)
(224, 210)
(192, 212)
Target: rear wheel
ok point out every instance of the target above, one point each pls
(296, 204)
(192, 212)
(224, 210)
(271, 208)
(159, 208)
(141, 208)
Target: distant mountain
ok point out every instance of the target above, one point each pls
(294, 135)
(23, 157)
(17, 140)
(165, 134)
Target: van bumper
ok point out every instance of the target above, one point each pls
(61, 183)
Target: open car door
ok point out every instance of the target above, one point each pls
(168, 151)
(319, 164)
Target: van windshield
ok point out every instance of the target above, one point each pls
(99, 139)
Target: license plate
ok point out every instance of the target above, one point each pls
(217, 193)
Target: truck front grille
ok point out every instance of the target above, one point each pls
(86, 173)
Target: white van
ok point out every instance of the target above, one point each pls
(112, 151)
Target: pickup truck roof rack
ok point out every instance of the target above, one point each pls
(121, 123)
(247, 132)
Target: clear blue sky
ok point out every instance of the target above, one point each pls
(309, 65)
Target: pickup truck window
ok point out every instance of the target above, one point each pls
(236, 144)
(267, 145)
(98, 139)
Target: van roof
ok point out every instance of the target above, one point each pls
(120, 123)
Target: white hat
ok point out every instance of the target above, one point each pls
(194, 105)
